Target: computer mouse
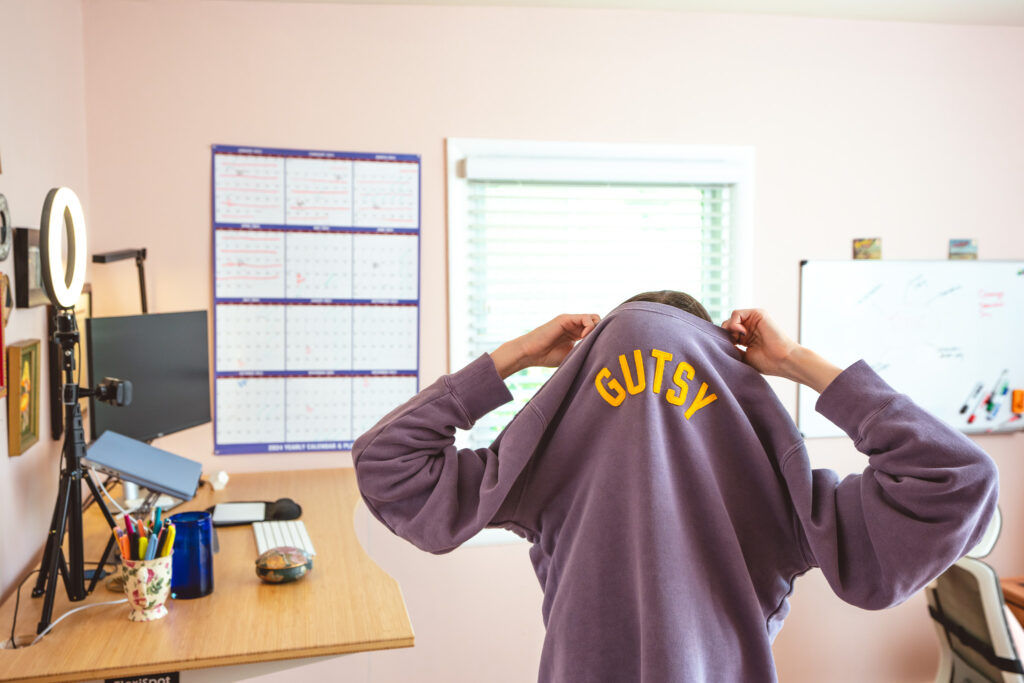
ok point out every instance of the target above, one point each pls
(284, 508)
(283, 564)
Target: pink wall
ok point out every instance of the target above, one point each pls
(42, 145)
(910, 132)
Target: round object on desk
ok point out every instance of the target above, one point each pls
(283, 564)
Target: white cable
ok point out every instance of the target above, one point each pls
(77, 609)
(92, 475)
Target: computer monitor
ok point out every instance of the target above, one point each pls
(165, 356)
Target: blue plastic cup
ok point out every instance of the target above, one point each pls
(192, 575)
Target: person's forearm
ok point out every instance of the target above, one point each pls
(508, 358)
(807, 367)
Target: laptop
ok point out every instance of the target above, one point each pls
(145, 465)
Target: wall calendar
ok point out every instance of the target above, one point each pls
(316, 295)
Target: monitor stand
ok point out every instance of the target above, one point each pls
(138, 499)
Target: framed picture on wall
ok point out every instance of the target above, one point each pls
(23, 395)
(28, 269)
(6, 297)
(3, 360)
(83, 311)
(6, 304)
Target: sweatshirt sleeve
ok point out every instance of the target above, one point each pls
(412, 477)
(923, 501)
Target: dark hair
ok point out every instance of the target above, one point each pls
(680, 300)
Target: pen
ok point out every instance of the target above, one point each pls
(121, 545)
(151, 547)
(995, 390)
(169, 545)
(142, 548)
(162, 540)
(156, 518)
(129, 537)
(997, 401)
(975, 412)
(970, 397)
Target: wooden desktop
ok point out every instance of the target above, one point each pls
(1013, 594)
(346, 604)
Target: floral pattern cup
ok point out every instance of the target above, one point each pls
(147, 583)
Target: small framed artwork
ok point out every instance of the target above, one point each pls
(6, 297)
(864, 248)
(22, 395)
(3, 362)
(83, 311)
(28, 269)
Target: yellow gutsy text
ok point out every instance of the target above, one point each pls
(612, 391)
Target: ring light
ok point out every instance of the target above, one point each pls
(62, 285)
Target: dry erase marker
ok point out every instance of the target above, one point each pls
(995, 390)
(997, 402)
(987, 401)
(1017, 404)
(971, 396)
(974, 413)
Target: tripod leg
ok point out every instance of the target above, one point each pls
(98, 572)
(57, 537)
(113, 539)
(51, 547)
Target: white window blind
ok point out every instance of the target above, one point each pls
(579, 236)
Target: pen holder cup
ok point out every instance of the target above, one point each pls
(147, 583)
(193, 555)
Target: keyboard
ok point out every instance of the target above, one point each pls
(278, 532)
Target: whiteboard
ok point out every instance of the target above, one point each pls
(934, 330)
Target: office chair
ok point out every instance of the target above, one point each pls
(971, 620)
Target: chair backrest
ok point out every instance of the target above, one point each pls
(976, 644)
(989, 538)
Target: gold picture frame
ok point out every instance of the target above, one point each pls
(23, 395)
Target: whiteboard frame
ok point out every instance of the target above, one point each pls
(812, 425)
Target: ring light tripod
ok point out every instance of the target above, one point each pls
(63, 286)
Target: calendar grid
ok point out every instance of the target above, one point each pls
(308, 356)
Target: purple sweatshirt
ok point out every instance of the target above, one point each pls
(670, 500)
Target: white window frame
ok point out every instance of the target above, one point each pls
(593, 162)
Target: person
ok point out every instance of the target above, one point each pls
(667, 493)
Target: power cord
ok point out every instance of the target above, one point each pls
(17, 604)
(103, 488)
(77, 609)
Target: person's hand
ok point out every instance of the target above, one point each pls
(770, 351)
(768, 346)
(546, 346)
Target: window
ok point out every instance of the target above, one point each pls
(538, 229)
